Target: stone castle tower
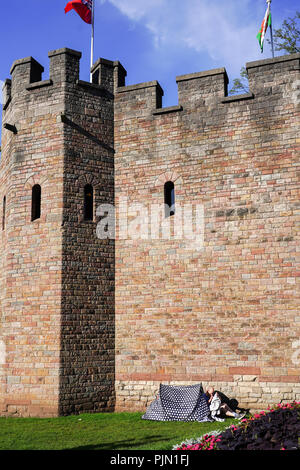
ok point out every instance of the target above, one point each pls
(90, 323)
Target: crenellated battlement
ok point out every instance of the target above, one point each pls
(211, 86)
(64, 69)
(109, 74)
(194, 89)
(262, 71)
(24, 72)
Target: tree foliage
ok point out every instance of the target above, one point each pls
(286, 38)
(240, 85)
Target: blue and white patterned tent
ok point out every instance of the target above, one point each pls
(179, 403)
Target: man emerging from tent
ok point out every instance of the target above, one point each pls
(219, 405)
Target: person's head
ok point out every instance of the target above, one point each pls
(210, 390)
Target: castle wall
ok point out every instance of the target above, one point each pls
(30, 251)
(87, 317)
(225, 312)
(57, 276)
(92, 322)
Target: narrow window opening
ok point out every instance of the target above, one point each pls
(95, 77)
(3, 213)
(169, 191)
(36, 202)
(88, 202)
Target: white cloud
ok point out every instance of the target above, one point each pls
(137, 9)
(223, 30)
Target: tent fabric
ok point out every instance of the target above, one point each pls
(179, 403)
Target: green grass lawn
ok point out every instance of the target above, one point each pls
(103, 431)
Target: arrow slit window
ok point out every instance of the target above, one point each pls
(36, 202)
(169, 193)
(88, 202)
(3, 212)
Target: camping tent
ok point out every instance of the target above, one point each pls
(179, 403)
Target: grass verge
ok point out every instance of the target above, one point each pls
(103, 431)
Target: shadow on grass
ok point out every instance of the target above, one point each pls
(121, 445)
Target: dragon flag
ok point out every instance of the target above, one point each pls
(267, 21)
(84, 9)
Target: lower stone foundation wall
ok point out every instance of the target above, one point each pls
(137, 395)
(27, 411)
(250, 393)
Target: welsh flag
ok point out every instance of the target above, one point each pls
(267, 21)
(83, 8)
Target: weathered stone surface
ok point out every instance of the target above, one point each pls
(57, 277)
(89, 324)
(239, 158)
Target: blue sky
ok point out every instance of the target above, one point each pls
(153, 39)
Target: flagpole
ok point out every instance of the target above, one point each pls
(271, 30)
(92, 39)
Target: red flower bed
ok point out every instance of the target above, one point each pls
(276, 429)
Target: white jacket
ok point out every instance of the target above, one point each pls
(214, 407)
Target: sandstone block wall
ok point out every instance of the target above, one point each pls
(230, 309)
(90, 324)
(87, 304)
(251, 393)
(57, 277)
(31, 251)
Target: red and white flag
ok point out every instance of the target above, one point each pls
(84, 9)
